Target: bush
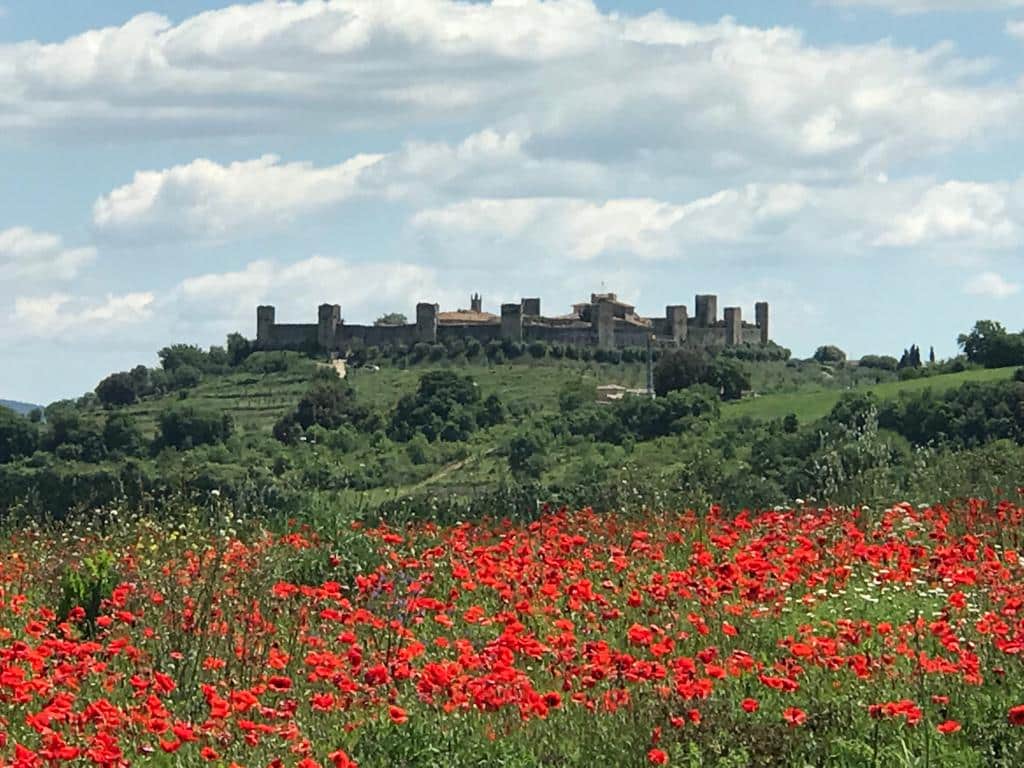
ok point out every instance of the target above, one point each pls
(117, 389)
(446, 406)
(185, 377)
(538, 349)
(527, 453)
(829, 355)
(330, 402)
(185, 426)
(18, 436)
(680, 369)
(880, 362)
(86, 588)
(122, 435)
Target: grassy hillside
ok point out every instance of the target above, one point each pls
(809, 405)
(257, 400)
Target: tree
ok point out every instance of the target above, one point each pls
(239, 348)
(829, 354)
(179, 355)
(445, 406)
(730, 377)
(527, 453)
(391, 318)
(185, 377)
(122, 435)
(117, 389)
(70, 436)
(679, 369)
(18, 436)
(330, 402)
(989, 344)
(185, 426)
(880, 362)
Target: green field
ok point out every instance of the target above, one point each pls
(812, 405)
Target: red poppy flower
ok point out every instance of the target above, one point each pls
(950, 726)
(397, 714)
(657, 756)
(794, 716)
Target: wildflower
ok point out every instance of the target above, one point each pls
(794, 716)
(1016, 715)
(397, 714)
(950, 726)
(657, 756)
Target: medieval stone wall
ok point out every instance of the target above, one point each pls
(605, 323)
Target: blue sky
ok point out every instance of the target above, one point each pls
(166, 166)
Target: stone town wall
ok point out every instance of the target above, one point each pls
(522, 322)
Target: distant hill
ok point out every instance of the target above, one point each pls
(17, 407)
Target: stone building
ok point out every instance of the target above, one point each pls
(604, 322)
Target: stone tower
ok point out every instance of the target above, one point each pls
(476, 304)
(602, 316)
(761, 316)
(512, 321)
(733, 326)
(265, 326)
(328, 320)
(677, 322)
(426, 322)
(531, 307)
(707, 310)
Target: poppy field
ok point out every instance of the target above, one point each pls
(803, 637)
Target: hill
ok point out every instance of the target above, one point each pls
(440, 430)
(17, 407)
(811, 404)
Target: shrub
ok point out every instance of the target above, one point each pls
(18, 436)
(680, 369)
(880, 362)
(829, 354)
(86, 588)
(185, 426)
(446, 406)
(117, 389)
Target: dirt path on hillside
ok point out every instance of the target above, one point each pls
(455, 466)
(340, 366)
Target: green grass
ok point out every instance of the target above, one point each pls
(534, 384)
(254, 400)
(812, 405)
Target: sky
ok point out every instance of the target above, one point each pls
(168, 165)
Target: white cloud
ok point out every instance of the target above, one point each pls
(578, 82)
(63, 315)
(584, 230)
(30, 255)
(950, 219)
(926, 6)
(992, 285)
(1015, 29)
(957, 211)
(364, 290)
(206, 200)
